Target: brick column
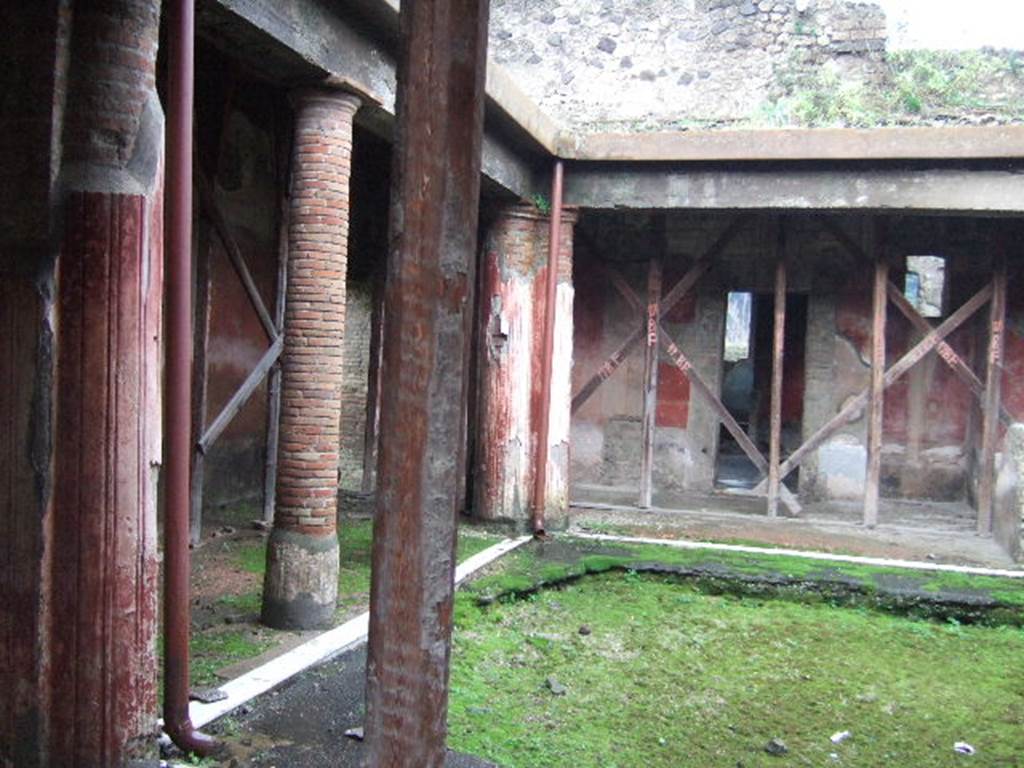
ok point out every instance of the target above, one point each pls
(510, 344)
(301, 586)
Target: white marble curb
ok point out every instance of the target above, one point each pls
(352, 633)
(916, 565)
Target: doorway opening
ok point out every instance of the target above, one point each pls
(747, 382)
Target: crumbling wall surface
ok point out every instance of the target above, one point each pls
(358, 306)
(240, 129)
(928, 424)
(617, 64)
(1008, 519)
(674, 64)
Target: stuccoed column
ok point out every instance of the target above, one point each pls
(512, 315)
(301, 585)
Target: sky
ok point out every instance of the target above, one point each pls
(955, 23)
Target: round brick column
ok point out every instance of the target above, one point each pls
(301, 586)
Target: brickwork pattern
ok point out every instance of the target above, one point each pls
(315, 318)
(118, 39)
(358, 315)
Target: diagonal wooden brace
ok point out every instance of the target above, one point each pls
(683, 363)
(945, 351)
(948, 355)
(668, 302)
(220, 224)
(917, 353)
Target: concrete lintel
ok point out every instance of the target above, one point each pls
(512, 101)
(992, 192)
(918, 143)
(310, 40)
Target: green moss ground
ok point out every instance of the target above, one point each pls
(222, 644)
(538, 563)
(673, 677)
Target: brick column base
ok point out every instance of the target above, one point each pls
(301, 585)
(512, 314)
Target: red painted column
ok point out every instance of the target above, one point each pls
(78, 634)
(301, 585)
(511, 341)
(107, 453)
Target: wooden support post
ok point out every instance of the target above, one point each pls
(200, 347)
(436, 191)
(778, 351)
(373, 382)
(855, 405)
(876, 398)
(650, 381)
(274, 384)
(993, 386)
(668, 302)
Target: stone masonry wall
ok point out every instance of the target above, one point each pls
(635, 65)
(628, 65)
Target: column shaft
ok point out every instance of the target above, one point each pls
(301, 585)
(510, 344)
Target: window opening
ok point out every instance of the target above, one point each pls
(925, 284)
(737, 327)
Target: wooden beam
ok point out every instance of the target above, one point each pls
(668, 302)
(856, 404)
(242, 395)
(778, 354)
(431, 261)
(946, 353)
(213, 210)
(372, 425)
(682, 362)
(200, 347)
(274, 384)
(650, 382)
(993, 385)
(876, 398)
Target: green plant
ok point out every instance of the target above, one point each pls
(706, 680)
(541, 203)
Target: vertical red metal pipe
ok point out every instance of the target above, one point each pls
(178, 390)
(540, 477)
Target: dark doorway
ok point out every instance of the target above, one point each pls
(746, 382)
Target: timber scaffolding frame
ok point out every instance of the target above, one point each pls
(876, 254)
(212, 217)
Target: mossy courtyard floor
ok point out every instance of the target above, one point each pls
(628, 670)
(225, 619)
(593, 654)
